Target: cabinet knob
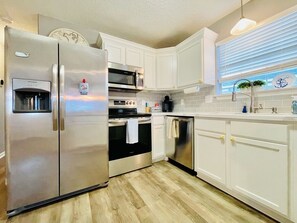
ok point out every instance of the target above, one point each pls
(222, 137)
(232, 139)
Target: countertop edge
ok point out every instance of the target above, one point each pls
(259, 117)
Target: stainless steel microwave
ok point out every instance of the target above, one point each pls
(125, 77)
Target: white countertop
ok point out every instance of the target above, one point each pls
(233, 115)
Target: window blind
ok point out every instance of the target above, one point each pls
(267, 48)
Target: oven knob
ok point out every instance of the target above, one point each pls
(126, 102)
(130, 102)
(133, 102)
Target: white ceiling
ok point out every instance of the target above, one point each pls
(155, 23)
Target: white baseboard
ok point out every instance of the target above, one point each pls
(2, 155)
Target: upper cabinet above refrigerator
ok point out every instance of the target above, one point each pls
(122, 51)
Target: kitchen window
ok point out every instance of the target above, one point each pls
(262, 54)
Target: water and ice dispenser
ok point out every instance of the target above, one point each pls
(32, 96)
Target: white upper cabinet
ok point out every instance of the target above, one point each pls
(190, 63)
(134, 56)
(122, 51)
(116, 52)
(166, 69)
(196, 59)
(149, 70)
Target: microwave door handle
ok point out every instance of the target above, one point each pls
(62, 98)
(55, 97)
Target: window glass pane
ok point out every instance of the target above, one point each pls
(227, 86)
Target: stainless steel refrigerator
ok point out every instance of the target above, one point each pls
(56, 119)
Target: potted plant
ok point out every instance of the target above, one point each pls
(245, 85)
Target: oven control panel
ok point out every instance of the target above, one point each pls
(122, 103)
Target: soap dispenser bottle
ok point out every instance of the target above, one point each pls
(244, 109)
(294, 105)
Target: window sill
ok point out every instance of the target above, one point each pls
(286, 91)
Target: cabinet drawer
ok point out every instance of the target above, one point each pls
(210, 125)
(158, 120)
(261, 131)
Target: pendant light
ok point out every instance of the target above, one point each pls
(243, 25)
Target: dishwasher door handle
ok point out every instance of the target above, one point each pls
(183, 119)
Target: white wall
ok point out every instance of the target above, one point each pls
(257, 10)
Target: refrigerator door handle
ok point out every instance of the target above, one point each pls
(55, 96)
(62, 99)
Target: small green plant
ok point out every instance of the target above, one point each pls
(247, 84)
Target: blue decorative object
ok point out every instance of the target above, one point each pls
(284, 80)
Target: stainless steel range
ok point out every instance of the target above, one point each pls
(125, 156)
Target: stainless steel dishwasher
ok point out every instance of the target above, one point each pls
(180, 146)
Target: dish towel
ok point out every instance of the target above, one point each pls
(132, 131)
(175, 129)
(172, 128)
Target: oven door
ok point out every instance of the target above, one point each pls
(118, 148)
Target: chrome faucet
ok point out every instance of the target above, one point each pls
(252, 95)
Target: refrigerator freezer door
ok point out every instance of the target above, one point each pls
(31, 141)
(83, 117)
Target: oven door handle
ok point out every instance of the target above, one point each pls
(112, 123)
(144, 121)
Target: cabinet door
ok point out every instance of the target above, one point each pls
(149, 71)
(210, 155)
(166, 65)
(116, 52)
(259, 170)
(189, 65)
(158, 151)
(134, 57)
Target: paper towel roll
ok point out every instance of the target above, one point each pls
(192, 90)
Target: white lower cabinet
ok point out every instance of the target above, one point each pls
(158, 138)
(249, 160)
(259, 163)
(210, 153)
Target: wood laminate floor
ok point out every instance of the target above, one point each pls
(160, 193)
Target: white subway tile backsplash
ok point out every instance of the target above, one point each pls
(196, 102)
